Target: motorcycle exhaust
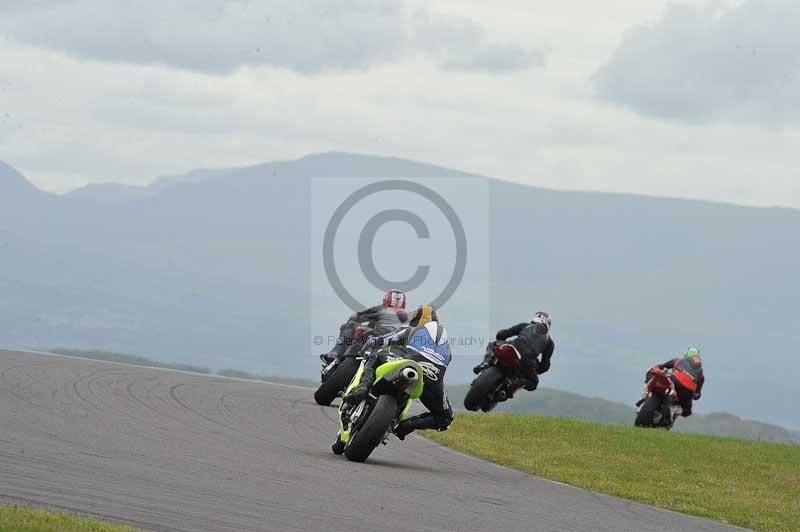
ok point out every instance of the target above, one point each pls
(409, 374)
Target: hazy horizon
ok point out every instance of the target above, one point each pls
(189, 171)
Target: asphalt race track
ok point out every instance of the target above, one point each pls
(163, 450)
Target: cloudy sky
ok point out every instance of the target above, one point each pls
(688, 98)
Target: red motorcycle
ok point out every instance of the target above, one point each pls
(658, 407)
(498, 381)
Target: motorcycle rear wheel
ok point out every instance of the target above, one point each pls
(647, 413)
(486, 383)
(336, 381)
(370, 435)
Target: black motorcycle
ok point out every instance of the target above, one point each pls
(337, 374)
(498, 381)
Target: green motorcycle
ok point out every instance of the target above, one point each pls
(364, 426)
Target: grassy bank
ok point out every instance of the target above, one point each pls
(22, 519)
(559, 403)
(745, 483)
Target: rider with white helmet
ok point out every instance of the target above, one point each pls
(532, 340)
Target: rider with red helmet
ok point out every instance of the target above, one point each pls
(387, 317)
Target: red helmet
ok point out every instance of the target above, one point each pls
(394, 299)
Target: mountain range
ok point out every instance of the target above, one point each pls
(204, 269)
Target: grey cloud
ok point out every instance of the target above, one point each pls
(461, 44)
(738, 64)
(306, 37)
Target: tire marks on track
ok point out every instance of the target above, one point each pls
(183, 452)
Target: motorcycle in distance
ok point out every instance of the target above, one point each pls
(658, 407)
(498, 382)
(336, 375)
(364, 426)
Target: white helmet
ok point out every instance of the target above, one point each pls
(543, 318)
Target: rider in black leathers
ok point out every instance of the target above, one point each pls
(532, 341)
(382, 319)
(434, 398)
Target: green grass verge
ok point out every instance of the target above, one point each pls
(22, 519)
(746, 483)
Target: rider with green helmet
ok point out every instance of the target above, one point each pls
(687, 377)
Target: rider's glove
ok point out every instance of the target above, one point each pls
(696, 396)
(374, 341)
(377, 341)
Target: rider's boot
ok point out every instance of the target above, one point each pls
(337, 351)
(486, 358)
(359, 393)
(338, 446)
(403, 429)
(422, 422)
(480, 367)
(483, 365)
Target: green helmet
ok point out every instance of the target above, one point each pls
(692, 352)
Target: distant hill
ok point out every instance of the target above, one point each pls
(14, 185)
(109, 193)
(114, 193)
(213, 269)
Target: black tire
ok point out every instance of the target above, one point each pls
(481, 387)
(488, 406)
(371, 433)
(647, 412)
(336, 381)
